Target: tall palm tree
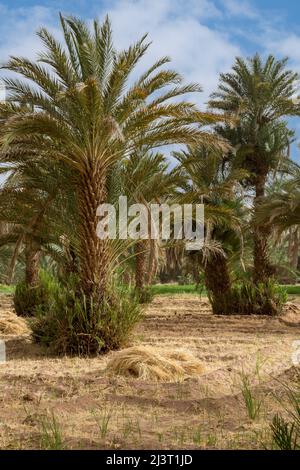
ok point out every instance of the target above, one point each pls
(86, 114)
(256, 95)
(212, 181)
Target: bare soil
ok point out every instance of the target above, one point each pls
(74, 403)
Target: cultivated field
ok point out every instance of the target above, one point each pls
(75, 403)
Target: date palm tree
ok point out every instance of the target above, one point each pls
(37, 211)
(148, 180)
(257, 95)
(86, 112)
(213, 181)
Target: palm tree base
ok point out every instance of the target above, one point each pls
(77, 326)
(250, 299)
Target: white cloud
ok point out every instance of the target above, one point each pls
(183, 29)
(177, 29)
(284, 44)
(287, 46)
(240, 8)
(18, 28)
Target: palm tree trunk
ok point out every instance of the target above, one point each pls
(14, 259)
(140, 259)
(290, 245)
(218, 284)
(295, 249)
(93, 252)
(152, 262)
(32, 260)
(262, 267)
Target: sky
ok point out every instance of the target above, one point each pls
(202, 37)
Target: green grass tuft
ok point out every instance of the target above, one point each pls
(164, 289)
(4, 289)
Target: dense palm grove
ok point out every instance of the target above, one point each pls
(77, 131)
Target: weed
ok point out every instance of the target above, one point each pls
(197, 435)
(253, 404)
(286, 431)
(103, 419)
(127, 428)
(51, 435)
(211, 440)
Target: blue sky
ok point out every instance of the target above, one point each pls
(201, 36)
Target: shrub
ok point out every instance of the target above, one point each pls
(145, 295)
(27, 299)
(51, 434)
(286, 430)
(249, 299)
(74, 324)
(252, 403)
(185, 279)
(262, 299)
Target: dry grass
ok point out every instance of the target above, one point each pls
(95, 409)
(147, 363)
(10, 324)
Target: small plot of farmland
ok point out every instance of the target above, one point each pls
(73, 403)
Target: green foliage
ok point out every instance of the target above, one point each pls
(4, 289)
(284, 434)
(185, 279)
(6, 254)
(51, 436)
(259, 94)
(262, 299)
(161, 289)
(291, 290)
(76, 124)
(249, 299)
(82, 119)
(29, 299)
(26, 298)
(75, 324)
(144, 295)
(286, 431)
(282, 209)
(103, 418)
(252, 403)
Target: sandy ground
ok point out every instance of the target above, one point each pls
(74, 403)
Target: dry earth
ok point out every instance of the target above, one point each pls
(74, 403)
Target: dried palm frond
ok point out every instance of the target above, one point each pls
(149, 363)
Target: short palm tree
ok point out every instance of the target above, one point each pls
(256, 95)
(34, 208)
(85, 113)
(148, 180)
